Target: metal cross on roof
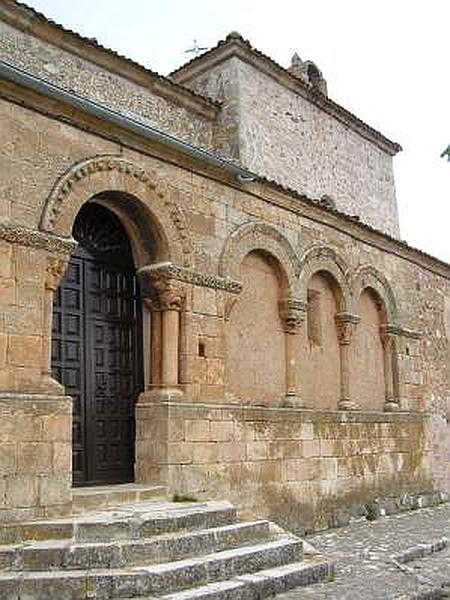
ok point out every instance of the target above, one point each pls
(196, 49)
(446, 153)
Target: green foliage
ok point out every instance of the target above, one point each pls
(183, 498)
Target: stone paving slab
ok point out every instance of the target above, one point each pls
(364, 551)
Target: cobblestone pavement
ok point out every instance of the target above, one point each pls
(400, 556)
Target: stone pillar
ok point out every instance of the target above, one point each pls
(388, 338)
(171, 332)
(345, 323)
(164, 296)
(293, 316)
(155, 350)
(54, 273)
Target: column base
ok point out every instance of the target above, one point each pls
(159, 395)
(391, 406)
(346, 404)
(291, 401)
(51, 386)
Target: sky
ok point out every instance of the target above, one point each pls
(386, 61)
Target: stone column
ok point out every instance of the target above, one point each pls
(293, 315)
(170, 316)
(164, 296)
(388, 338)
(155, 341)
(155, 347)
(54, 273)
(345, 323)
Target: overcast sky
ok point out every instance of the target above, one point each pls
(388, 62)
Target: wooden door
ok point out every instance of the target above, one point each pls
(97, 349)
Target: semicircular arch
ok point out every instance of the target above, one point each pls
(369, 277)
(261, 237)
(323, 259)
(147, 203)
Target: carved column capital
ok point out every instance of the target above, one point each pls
(293, 314)
(388, 335)
(54, 272)
(345, 324)
(171, 295)
(160, 290)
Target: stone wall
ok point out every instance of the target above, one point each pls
(35, 456)
(301, 468)
(319, 351)
(284, 137)
(254, 336)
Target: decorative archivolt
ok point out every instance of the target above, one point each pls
(109, 173)
(368, 276)
(321, 258)
(257, 235)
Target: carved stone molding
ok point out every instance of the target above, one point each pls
(391, 329)
(36, 239)
(188, 276)
(345, 324)
(293, 314)
(117, 174)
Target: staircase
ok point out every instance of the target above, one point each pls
(154, 549)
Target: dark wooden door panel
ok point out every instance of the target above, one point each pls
(96, 354)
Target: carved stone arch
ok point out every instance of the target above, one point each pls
(368, 276)
(259, 236)
(320, 258)
(152, 204)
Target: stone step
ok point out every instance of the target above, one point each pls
(156, 579)
(85, 499)
(261, 584)
(138, 521)
(178, 575)
(64, 554)
(157, 519)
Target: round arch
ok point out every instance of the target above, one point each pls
(138, 197)
(259, 236)
(322, 259)
(368, 277)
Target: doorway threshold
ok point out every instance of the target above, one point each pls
(89, 498)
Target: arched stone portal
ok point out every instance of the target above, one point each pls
(97, 346)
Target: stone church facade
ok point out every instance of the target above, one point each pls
(202, 286)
